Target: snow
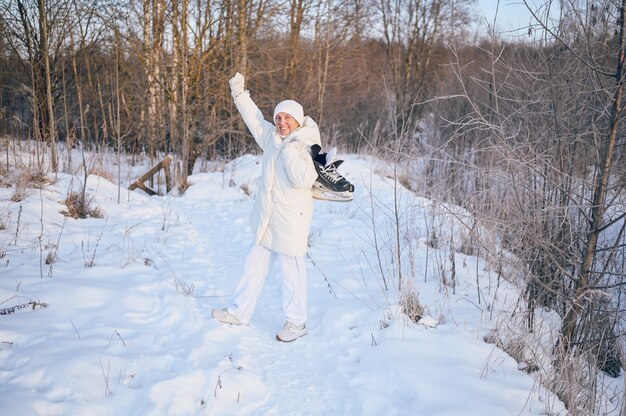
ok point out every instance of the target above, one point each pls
(127, 329)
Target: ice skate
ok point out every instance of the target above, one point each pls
(330, 184)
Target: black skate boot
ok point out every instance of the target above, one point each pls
(330, 184)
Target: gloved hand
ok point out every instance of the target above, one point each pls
(236, 85)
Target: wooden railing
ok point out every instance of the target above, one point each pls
(165, 165)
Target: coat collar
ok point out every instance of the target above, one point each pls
(308, 134)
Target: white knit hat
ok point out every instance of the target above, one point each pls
(291, 107)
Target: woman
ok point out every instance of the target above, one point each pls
(282, 212)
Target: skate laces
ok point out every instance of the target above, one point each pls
(331, 173)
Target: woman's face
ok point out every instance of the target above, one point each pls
(285, 124)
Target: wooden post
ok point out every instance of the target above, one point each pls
(165, 165)
(168, 173)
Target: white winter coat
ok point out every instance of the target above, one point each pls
(283, 208)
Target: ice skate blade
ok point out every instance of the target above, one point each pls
(323, 195)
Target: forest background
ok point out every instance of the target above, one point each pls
(523, 131)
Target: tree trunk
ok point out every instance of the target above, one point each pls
(241, 60)
(153, 28)
(50, 128)
(598, 207)
(296, 18)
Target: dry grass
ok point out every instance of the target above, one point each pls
(50, 258)
(572, 377)
(516, 345)
(80, 207)
(410, 305)
(102, 172)
(36, 179)
(246, 189)
(4, 178)
(29, 179)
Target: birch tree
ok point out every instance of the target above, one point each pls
(153, 25)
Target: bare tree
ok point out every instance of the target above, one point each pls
(29, 30)
(153, 34)
(44, 53)
(589, 274)
(533, 151)
(411, 30)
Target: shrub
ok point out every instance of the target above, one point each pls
(29, 179)
(410, 305)
(79, 206)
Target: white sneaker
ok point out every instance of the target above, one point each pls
(291, 332)
(226, 317)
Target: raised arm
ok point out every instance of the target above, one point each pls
(250, 113)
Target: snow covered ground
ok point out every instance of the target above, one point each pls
(127, 329)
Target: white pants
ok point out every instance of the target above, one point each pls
(256, 268)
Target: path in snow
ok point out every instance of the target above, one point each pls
(339, 367)
(133, 333)
(289, 374)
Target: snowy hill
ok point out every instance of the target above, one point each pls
(122, 321)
